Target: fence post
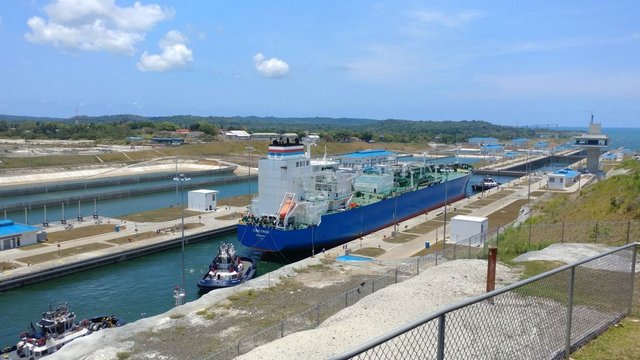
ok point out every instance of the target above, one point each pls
(469, 248)
(529, 245)
(562, 234)
(373, 286)
(238, 348)
(567, 339)
(396, 275)
(440, 355)
(282, 329)
(595, 238)
(628, 230)
(317, 315)
(436, 254)
(346, 299)
(417, 266)
(454, 250)
(498, 235)
(632, 277)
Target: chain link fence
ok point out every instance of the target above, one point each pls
(524, 238)
(546, 316)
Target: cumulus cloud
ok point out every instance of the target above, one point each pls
(95, 25)
(175, 54)
(273, 68)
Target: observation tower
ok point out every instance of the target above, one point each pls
(593, 142)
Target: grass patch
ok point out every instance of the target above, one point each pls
(537, 267)
(123, 355)
(63, 252)
(33, 246)
(7, 265)
(238, 201)
(176, 316)
(79, 232)
(620, 342)
(432, 249)
(312, 268)
(370, 251)
(426, 227)
(208, 315)
(400, 238)
(132, 238)
(235, 215)
(160, 215)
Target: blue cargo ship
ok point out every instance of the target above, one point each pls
(306, 205)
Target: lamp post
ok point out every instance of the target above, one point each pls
(250, 150)
(528, 176)
(446, 199)
(181, 179)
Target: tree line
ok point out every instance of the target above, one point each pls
(119, 127)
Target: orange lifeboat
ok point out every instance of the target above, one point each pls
(287, 205)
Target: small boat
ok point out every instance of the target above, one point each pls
(57, 327)
(227, 269)
(486, 184)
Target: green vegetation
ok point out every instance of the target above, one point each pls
(119, 127)
(620, 342)
(160, 215)
(79, 232)
(176, 316)
(123, 355)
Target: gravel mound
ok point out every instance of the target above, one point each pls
(385, 310)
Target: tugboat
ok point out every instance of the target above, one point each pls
(486, 184)
(57, 327)
(227, 269)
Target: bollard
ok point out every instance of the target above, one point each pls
(491, 270)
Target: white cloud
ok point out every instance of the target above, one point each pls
(451, 20)
(273, 68)
(95, 25)
(175, 54)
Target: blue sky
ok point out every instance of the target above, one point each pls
(506, 62)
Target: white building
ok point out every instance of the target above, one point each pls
(14, 235)
(202, 200)
(562, 179)
(465, 228)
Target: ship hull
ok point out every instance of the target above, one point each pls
(340, 227)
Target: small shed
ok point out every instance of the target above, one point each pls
(562, 178)
(464, 227)
(14, 235)
(202, 200)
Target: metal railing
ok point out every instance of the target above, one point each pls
(546, 316)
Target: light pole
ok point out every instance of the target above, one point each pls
(250, 150)
(446, 199)
(528, 176)
(181, 179)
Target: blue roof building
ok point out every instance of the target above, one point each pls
(479, 141)
(366, 158)
(562, 178)
(13, 235)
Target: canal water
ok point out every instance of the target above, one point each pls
(131, 290)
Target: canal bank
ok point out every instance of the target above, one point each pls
(102, 249)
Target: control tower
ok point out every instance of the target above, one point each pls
(593, 142)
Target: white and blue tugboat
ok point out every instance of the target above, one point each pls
(57, 327)
(227, 269)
